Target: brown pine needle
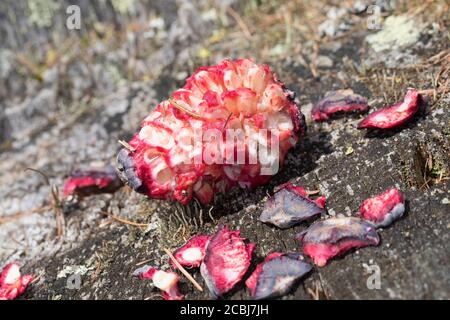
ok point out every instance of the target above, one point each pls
(127, 146)
(226, 122)
(30, 66)
(181, 108)
(21, 214)
(36, 279)
(240, 22)
(143, 262)
(125, 221)
(314, 294)
(312, 192)
(153, 296)
(57, 203)
(180, 267)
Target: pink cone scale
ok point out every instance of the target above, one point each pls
(339, 101)
(332, 237)
(12, 282)
(227, 259)
(182, 150)
(166, 281)
(276, 275)
(92, 181)
(395, 115)
(191, 254)
(290, 205)
(383, 209)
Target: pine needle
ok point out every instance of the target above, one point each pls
(125, 221)
(183, 271)
(127, 146)
(181, 108)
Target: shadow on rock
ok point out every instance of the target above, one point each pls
(300, 160)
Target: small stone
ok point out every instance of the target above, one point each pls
(349, 150)
(324, 62)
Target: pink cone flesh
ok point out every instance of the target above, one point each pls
(338, 101)
(226, 261)
(385, 208)
(168, 158)
(166, 281)
(393, 116)
(192, 253)
(12, 283)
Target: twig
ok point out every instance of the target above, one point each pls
(151, 297)
(181, 108)
(143, 262)
(192, 215)
(127, 146)
(36, 279)
(426, 91)
(125, 221)
(43, 174)
(314, 294)
(57, 203)
(422, 8)
(183, 213)
(176, 215)
(180, 213)
(200, 212)
(240, 22)
(322, 288)
(178, 231)
(440, 56)
(22, 214)
(433, 91)
(313, 62)
(210, 214)
(98, 267)
(180, 267)
(313, 192)
(30, 66)
(226, 122)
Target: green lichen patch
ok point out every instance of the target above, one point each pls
(398, 32)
